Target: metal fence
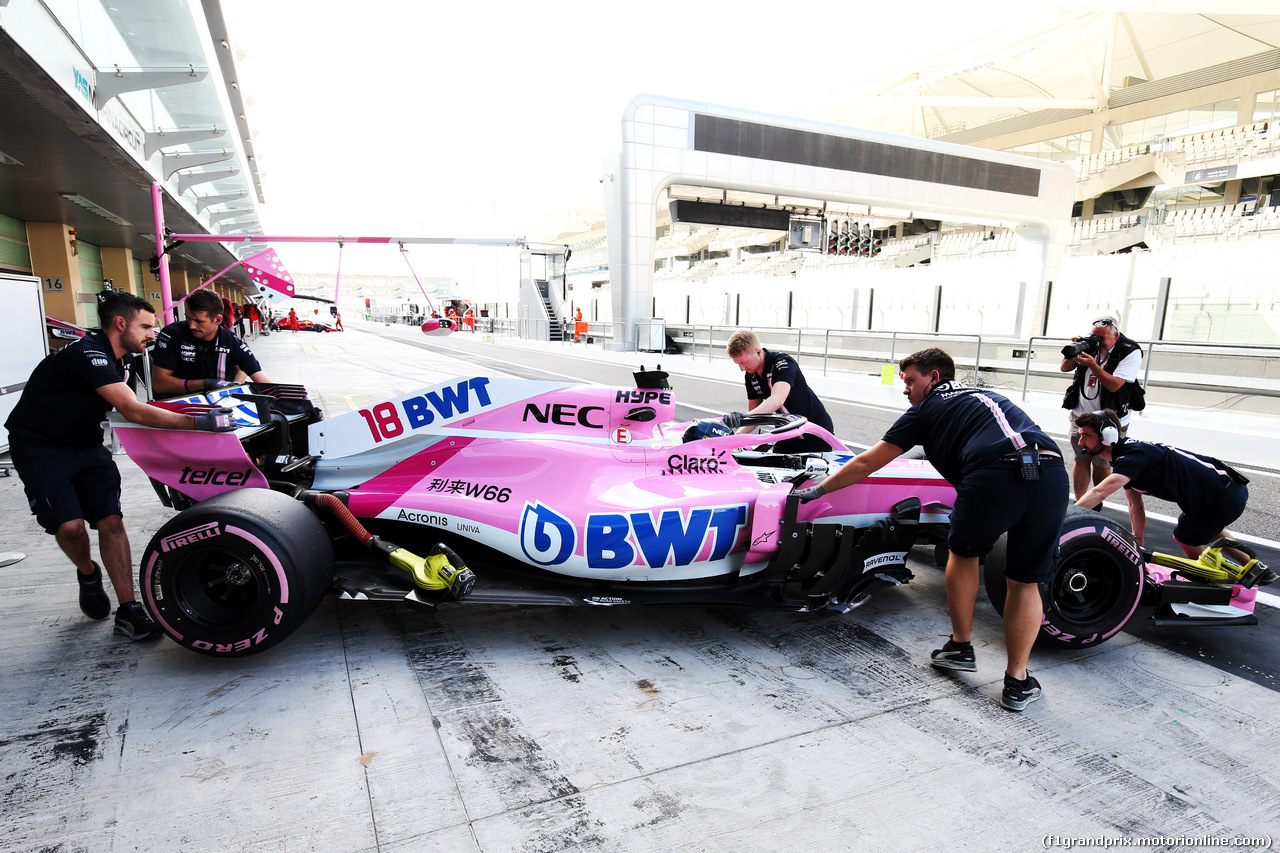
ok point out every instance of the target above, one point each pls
(1186, 370)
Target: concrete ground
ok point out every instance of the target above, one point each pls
(492, 728)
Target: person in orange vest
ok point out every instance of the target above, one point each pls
(470, 319)
(451, 314)
(577, 326)
(293, 320)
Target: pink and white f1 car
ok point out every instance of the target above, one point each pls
(554, 493)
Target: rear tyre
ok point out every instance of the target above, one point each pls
(238, 573)
(1097, 582)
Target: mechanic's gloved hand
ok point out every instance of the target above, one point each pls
(811, 493)
(733, 420)
(216, 420)
(216, 383)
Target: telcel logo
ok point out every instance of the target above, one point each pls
(213, 477)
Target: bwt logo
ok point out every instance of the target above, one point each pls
(617, 540)
(187, 537)
(446, 402)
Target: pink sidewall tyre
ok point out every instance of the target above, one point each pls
(1096, 585)
(236, 574)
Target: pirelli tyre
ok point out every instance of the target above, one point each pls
(1096, 584)
(236, 574)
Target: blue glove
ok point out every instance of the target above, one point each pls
(733, 420)
(811, 493)
(216, 420)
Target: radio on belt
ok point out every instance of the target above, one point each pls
(1029, 457)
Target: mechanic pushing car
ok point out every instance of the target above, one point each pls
(1008, 476)
(55, 435)
(1210, 493)
(200, 353)
(775, 384)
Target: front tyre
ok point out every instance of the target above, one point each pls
(1096, 584)
(236, 574)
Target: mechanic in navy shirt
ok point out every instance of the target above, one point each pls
(974, 438)
(200, 352)
(1210, 494)
(775, 384)
(56, 441)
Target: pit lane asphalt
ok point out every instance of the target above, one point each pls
(487, 728)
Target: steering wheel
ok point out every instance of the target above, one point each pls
(777, 423)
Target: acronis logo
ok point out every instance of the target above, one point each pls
(617, 540)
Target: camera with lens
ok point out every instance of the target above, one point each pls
(1089, 345)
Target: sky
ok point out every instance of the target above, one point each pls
(391, 118)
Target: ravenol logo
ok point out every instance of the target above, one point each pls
(617, 540)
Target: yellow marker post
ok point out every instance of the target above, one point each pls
(888, 373)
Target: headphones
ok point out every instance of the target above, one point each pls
(1110, 434)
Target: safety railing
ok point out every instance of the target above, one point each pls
(1264, 381)
(836, 343)
(1190, 366)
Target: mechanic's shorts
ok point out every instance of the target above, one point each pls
(995, 500)
(64, 484)
(1081, 456)
(1201, 527)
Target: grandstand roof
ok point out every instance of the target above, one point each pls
(1055, 59)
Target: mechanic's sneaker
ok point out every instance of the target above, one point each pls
(93, 598)
(1019, 694)
(955, 656)
(133, 621)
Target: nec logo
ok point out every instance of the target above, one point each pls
(563, 414)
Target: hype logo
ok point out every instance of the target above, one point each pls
(546, 537)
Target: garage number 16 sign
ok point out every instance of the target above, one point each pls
(53, 285)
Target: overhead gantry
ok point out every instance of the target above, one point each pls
(667, 142)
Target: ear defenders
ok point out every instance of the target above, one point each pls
(1109, 435)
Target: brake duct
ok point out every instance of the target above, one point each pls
(840, 566)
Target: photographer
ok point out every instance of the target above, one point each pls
(1106, 366)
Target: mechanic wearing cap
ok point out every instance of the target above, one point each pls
(1103, 380)
(55, 438)
(199, 353)
(1210, 493)
(1008, 476)
(775, 384)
